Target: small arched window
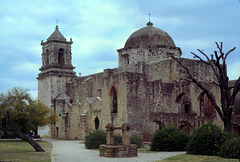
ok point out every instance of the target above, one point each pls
(97, 123)
(61, 56)
(187, 107)
(114, 100)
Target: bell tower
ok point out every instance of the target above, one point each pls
(56, 68)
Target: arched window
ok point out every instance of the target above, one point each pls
(97, 123)
(187, 107)
(57, 132)
(114, 100)
(47, 57)
(61, 56)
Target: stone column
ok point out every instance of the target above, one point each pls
(125, 133)
(110, 128)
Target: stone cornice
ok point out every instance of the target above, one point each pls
(67, 67)
(56, 72)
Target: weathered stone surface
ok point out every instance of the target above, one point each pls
(112, 151)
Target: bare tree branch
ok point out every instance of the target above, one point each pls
(196, 56)
(220, 50)
(209, 62)
(204, 55)
(215, 84)
(229, 52)
(202, 88)
(219, 68)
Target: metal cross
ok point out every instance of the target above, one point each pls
(149, 15)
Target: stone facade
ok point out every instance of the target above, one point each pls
(147, 90)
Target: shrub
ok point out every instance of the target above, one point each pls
(94, 139)
(135, 140)
(169, 138)
(117, 139)
(207, 140)
(231, 148)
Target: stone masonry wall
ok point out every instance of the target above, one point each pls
(91, 94)
(161, 99)
(150, 54)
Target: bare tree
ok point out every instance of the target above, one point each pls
(217, 63)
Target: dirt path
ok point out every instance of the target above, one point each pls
(74, 151)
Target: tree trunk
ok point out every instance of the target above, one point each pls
(5, 132)
(228, 122)
(23, 136)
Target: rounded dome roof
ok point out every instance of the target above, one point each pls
(149, 36)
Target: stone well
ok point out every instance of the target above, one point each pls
(124, 150)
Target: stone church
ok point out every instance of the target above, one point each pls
(146, 90)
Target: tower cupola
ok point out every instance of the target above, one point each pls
(56, 36)
(56, 55)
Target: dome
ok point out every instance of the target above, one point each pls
(149, 36)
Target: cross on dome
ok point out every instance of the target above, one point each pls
(149, 22)
(149, 14)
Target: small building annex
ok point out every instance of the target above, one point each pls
(146, 90)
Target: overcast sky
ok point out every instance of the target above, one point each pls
(100, 27)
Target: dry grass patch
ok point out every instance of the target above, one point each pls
(18, 150)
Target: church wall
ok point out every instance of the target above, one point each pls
(169, 70)
(52, 86)
(150, 54)
(147, 100)
(74, 123)
(136, 101)
(155, 99)
(48, 89)
(91, 94)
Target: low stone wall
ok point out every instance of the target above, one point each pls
(118, 150)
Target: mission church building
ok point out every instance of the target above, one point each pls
(146, 90)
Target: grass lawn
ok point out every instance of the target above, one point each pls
(145, 150)
(197, 158)
(18, 150)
